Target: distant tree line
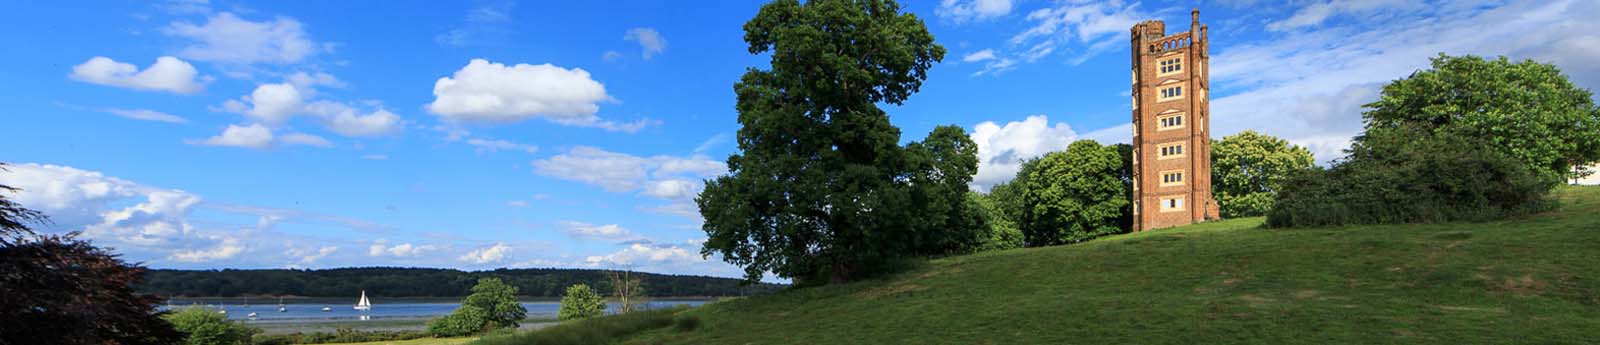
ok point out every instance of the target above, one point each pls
(417, 282)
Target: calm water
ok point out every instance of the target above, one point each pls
(380, 310)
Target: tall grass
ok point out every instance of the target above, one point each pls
(600, 330)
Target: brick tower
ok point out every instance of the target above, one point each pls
(1171, 114)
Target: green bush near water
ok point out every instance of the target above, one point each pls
(205, 327)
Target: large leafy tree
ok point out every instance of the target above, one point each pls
(1249, 168)
(1076, 195)
(821, 189)
(1528, 110)
(58, 289)
(499, 300)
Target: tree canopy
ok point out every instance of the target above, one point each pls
(581, 302)
(821, 190)
(1527, 110)
(1076, 195)
(1248, 169)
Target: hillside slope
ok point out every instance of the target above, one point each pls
(1534, 280)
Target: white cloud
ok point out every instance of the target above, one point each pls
(307, 81)
(146, 115)
(491, 145)
(981, 55)
(960, 11)
(1002, 149)
(484, 91)
(224, 249)
(375, 157)
(517, 203)
(253, 136)
(269, 103)
(1085, 29)
(649, 40)
(610, 56)
(274, 104)
(380, 248)
(149, 222)
(643, 256)
(226, 38)
(307, 256)
(659, 176)
(305, 140)
(168, 74)
(612, 232)
(490, 254)
(348, 121)
(1316, 13)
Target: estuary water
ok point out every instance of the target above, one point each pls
(312, 311)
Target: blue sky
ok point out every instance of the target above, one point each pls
(474, 135)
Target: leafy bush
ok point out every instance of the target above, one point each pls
(1409, 176)
(598, 330)
(342, 335)
(580, 302)
(468, 319)
(205, 327)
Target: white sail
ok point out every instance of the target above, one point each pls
(363, 304)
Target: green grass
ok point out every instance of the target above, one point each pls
(423, 341)
(600, 330)
(1532, 280)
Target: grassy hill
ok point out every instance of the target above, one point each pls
(1534, 280)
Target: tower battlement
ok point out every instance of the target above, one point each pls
(1171, 120)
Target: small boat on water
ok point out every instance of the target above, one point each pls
(327, 309)
(363, 305)
(281, 307)
(251, 315)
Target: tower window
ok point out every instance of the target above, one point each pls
(1171, 93)
(1171, 151)
(1169, 122)
(1170, 66)
(1172, 204)
(1171, 178)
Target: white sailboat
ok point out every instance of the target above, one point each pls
(281, 307)
(363, 304)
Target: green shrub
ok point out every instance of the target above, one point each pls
(468, 319)
(597, 330)
(1397, 175)
(580, 302)
(205, 327)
